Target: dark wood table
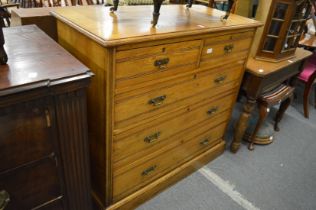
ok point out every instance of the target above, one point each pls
(308, 41)
(261, 77)
(40, 17)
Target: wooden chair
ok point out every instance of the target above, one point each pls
(282, 94)
(308, 76)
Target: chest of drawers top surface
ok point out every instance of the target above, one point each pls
(33, 59)
(133, 25)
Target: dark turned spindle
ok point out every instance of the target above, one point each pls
(3, 54)
(190, 2)
(115, 5)
(230, 5)
(157, 5)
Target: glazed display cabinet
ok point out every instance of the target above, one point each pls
(283, 29)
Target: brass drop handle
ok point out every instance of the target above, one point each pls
(152, 138)
(204, 142)
(4, 199)
(149, 170)
(157, 101)
(48, 119)
(162, 63)
(212, 110)
(228, 48)
(220, 80)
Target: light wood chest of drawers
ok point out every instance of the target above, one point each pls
(161, 98)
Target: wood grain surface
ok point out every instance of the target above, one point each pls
(133, 25)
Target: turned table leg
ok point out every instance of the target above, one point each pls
(242, 124)
(115, 5)
(283, 107)
(263, 112)
(156, 13)
(189, 4)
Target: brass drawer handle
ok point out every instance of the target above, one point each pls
(220, 80)
(162, 63)
(212, 110)
(149, 170)
(4, 199)
(228, 48)
(152, 138)
(157, 101)
(204, 142)
(48, 119)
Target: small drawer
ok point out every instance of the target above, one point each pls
(167, 126)
(151, 60)
(25, 135)
(161, 164)
(225, 49)
(31, 186)
(229, 37)
(156, 99)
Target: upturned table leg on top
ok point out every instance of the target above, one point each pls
(242, 124)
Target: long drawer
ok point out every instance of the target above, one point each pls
(25, 135)
(170, 125)
(141, 61)
(142, 151)
(158, 99)
(31, 186)
(161, 164)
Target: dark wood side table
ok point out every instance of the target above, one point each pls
(44, 148)
(37, 16)
(308, 41)
(261, 77)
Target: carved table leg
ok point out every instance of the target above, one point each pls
(283, 107)
(115, 5)
(190, 2)
(157, 5)
(3, 54)
(315, 97)
(242, 124)
(263, 112)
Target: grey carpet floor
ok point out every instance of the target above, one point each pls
(280, 176)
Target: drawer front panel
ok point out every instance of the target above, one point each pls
(31, 186)
(173, 108)
(233, 58)
(161, 97)
(229, 37)
(24, 135)
(160, 165)
(223, 49)
(170, 125)
(141, 151)
(146, 60)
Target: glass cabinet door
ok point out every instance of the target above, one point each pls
(277, 21)
(296, 26)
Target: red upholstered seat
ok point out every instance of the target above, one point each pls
(308, 77)
(308, 71)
